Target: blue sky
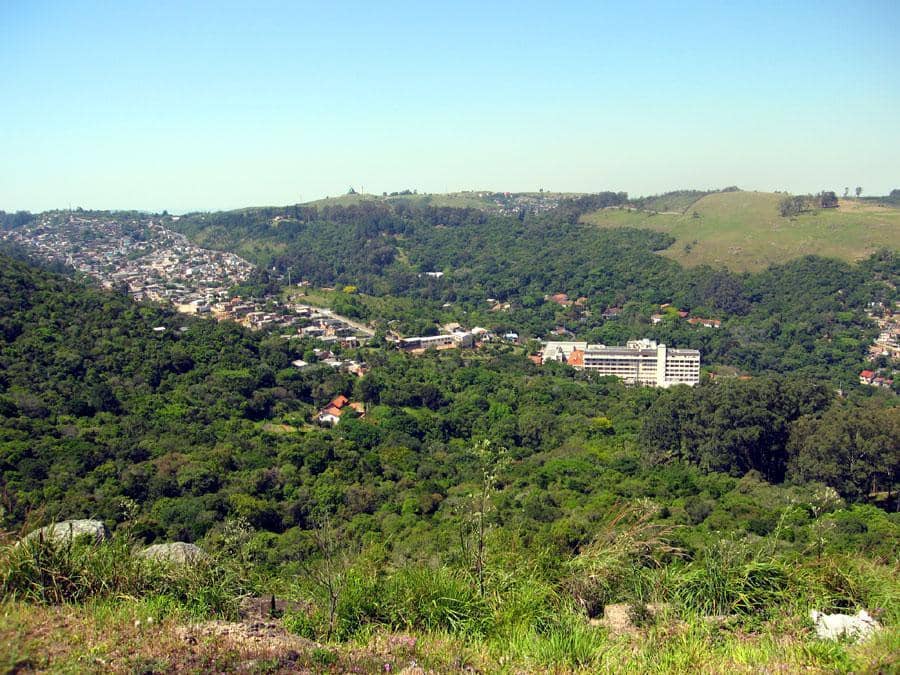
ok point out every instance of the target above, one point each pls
(209, 105)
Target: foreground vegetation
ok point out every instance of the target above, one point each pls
(736, 605)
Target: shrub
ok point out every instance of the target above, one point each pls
(609, 568)
(727, 580)
(435, 599)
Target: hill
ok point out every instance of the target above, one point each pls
(483, 511)
(743, 231)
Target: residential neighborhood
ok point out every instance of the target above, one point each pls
(884, 352)
(135, 253)
(140, 256)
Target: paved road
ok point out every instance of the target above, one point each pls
(362, 328)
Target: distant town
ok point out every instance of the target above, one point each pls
(136, 254)
(140, 256)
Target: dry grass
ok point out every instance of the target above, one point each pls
(744, 232)
(131, 637)
(124, 637)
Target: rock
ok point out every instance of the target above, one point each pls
(856, 627)
(248, 635)
(178, 552)
(67, 530)
(658, 609)
(617, 619)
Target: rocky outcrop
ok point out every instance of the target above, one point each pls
(69, 530)
(856, 627)
(178, 552)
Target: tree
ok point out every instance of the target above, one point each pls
(852, 448)
(792, 206)
(858, 192)
(828, 200)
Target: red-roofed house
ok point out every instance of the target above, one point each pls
(332, 413)
(866, 377)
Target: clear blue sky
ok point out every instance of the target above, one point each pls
(206, 105)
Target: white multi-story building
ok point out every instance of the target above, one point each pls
(638, 362)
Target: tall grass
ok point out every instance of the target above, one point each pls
(846, 582)
(55, 572)
(727, 579)
(613, 566)
(427, 598)
(569, 644)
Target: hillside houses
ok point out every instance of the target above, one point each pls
(135, 253)
(667, 312)
(337, 409)
(706, 323)
(874, 379)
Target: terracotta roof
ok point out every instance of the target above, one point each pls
(868, 374)
(576, 358)
(339, 401)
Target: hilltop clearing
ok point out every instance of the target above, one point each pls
(743, 231)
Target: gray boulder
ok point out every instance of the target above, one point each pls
(67, 530)
(178, 552)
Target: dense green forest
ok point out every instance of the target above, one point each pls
(484, 504)
(805, 317)
(205, 421)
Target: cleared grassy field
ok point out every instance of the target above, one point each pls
(743, 230)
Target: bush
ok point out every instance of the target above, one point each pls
(435, 599)
(728, 580)
(610, 568)
(570, 643)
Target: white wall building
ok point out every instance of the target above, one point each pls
(638, 362)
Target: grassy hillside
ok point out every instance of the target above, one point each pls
(743, 230)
